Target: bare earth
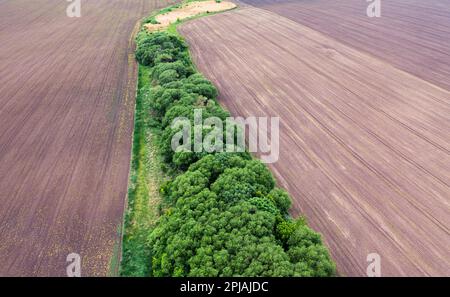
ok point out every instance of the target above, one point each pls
(365, 146)
(66, 119)
(412, 35)
(187, 11)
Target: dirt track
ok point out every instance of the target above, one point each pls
(66, 118)
(365, 146)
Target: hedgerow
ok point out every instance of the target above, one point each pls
(223, 214)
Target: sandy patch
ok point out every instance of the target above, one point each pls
(188, 10)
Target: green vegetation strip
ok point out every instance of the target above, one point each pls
(219, 214)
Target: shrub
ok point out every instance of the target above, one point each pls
(186, 185)
(281, 200)
(184, 108)
(309, 254)
(236, 184)
(204, 237)
(168, 76)
(214, 165)
(197, 83)
(285, 228)
(149, 46)
(264, 204)
(161, 98)
(180, 69)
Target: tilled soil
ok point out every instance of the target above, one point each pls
(364, 145)
(67, 90)
(412, 35)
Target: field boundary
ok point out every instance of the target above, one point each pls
(132, 86)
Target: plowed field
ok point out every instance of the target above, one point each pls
(66, 118)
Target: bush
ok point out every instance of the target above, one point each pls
(235, 184)
(168, 76)
(212, 166)
(184, 108)
(186, 185)
(264, 204)
(309, 254)
(161, 98)
(197, 83)
(281, 200)
(204, 237)
(150, 46)
(177, 69)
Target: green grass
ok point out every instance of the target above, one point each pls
(114, 264)
(146, 177)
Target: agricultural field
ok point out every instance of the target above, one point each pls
(412, 35)
(66, 118)
(364, 132)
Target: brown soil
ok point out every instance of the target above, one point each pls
(412, 35)
(66, 119)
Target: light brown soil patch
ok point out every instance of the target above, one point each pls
(188, 10)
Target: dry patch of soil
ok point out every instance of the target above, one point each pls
(187, 11)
